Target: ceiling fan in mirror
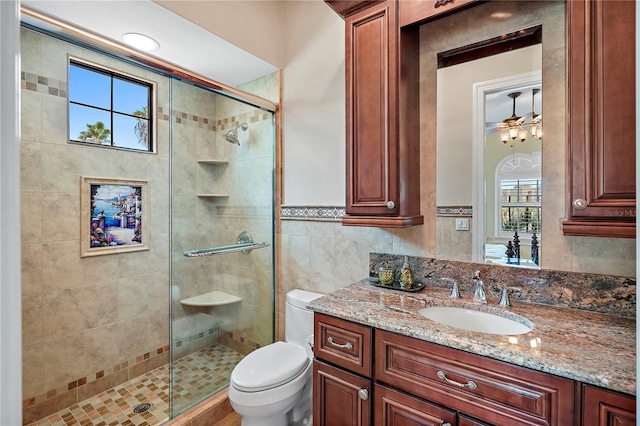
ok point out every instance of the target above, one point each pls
(517, 127)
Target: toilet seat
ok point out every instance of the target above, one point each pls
(269, 367)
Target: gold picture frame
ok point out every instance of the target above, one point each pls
(114, 216)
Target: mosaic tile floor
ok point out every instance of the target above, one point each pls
(196, 376)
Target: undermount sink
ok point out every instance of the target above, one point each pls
(472, 320)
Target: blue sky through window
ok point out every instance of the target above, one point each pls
(112, 99)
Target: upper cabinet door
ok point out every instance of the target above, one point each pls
(383, 143)
(601, 118)
(372, 154)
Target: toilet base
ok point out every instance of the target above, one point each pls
(279, 419)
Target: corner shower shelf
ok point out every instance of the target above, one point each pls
(213, 195)
(213, 161)
(214, 298)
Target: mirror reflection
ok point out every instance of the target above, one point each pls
(512, 174)
(489, 109)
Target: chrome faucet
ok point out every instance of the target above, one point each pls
(504, 298)
(479, 295)
(455, 292)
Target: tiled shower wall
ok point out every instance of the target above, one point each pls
(92, 323)
(205, 222)
(87, 322)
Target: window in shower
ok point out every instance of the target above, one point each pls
(108, 108)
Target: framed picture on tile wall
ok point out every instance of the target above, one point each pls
(114, 216)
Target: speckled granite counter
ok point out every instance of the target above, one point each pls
(577, 344)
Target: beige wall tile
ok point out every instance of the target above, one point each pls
(32, 319)
(60, 217)
(30, 167)
(61, 265)
(33, 370)
(61, 168)
(64, 361)
(31, 217)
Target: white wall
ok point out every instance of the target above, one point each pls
(10, 315)
(313, 101)
(252, 25)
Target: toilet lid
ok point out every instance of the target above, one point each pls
(269, 366)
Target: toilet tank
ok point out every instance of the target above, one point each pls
(298, 321)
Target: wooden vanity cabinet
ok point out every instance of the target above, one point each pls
(602, 407)
(601, 120)
(480, 389)
(382, 123)
(367, 376)
(340, 398)
(342, 392)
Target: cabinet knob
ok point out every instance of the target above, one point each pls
(391, 205)
(363, 394)
(580, 203)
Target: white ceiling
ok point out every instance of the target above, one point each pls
(181, 41)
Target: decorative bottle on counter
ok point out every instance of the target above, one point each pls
(406, 276)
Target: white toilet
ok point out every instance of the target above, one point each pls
(272, 385)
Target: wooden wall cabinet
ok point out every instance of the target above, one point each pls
(601, 119)
(383, 135)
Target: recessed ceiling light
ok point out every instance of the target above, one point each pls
(140, 41)
(501, 15)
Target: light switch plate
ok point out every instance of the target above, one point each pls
(462, 224)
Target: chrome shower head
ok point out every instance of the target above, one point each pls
(232, 135)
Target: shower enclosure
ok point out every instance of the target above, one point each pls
(139, 337)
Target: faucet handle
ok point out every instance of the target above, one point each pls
(504, 298)
(455, 292)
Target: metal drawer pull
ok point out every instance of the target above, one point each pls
(470, 384)
(347, 345)
(363, 394)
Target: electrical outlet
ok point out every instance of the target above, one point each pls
(462, 224)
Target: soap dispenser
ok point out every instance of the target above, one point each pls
(406, 276)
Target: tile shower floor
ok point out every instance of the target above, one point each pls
(195, 376)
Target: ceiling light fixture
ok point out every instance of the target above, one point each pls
(141, 42)
(514, 126)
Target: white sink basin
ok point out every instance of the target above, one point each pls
(471, 320)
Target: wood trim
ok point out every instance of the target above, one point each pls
(493, 46)
(346, 8)
(383, 221)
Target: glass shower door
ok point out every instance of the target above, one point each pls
(222, 230)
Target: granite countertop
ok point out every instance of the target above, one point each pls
(591, 347)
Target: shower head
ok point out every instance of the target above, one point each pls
(232, 135)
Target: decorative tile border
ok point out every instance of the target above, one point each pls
(41, 84)
(312, 213)
(454, 211)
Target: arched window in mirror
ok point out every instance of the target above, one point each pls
(518, 195)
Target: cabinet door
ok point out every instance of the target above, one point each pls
(383, 134)
(601, 407)
(393, 408)
(601, 118)
(340, 398)
(372, 155)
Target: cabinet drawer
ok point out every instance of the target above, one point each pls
(489, 390)
(343, 343)
(395, 408)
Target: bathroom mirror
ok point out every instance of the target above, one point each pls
(488, 188)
